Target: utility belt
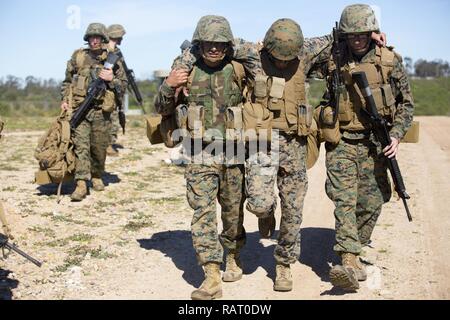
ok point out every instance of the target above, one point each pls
(217, 152)
(262, 120)
(290, 135)
(192, 118)
(366, 133)
(355, 141)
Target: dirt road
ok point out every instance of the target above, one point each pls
(133, 240)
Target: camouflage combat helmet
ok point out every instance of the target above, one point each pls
(96, 29)
(358, 18)
(284, 39)
(213, 28)
(115, 31)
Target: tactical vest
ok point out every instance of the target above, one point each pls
(215, 101)
(283, 92)
(378, 71)
(85, 65)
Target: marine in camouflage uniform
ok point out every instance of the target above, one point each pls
(285, 55)
(214, 84)
(357, 180)
(91, 138)
(115, 34)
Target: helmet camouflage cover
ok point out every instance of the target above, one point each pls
(214, 29)
(115, 31)
(96, 29)
(358, 18)
(284, 39)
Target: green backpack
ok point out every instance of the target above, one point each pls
(55, 154)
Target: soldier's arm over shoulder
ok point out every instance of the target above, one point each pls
(244, 52)
(187, 58)
(316, 53)
(247, 53)
(70, 71)
(404, 100)
(165, 101)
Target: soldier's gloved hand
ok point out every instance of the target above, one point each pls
(177, 78)
(391, 150)
(64, 106)
(379, 38)
(106, 74)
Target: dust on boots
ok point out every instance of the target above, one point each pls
(211, 287)
(347, 275)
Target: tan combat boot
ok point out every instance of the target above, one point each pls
(266, 226)
(110, 151)
(345, 276)
(97, 184)
(233, 269)
(211, 287)
(283, 278)
(80, 191)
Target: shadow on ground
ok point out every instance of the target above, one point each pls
(6, 285)
(177, 245)
(317, 250)
(317, 253)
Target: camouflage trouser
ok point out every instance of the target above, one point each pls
(292, 181)
(358, 185)
(115, 126)
(91, 139)
(204, 185)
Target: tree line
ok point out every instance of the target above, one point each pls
(33, 96)
(426, 69)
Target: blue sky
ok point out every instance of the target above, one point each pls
(39, 37)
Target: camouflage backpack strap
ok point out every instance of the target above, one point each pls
(65, 134)
(239, 73)
(63, 148)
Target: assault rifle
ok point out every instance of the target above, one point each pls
(132, 86)
(336, 86)
(96, 87)
(4, 244)
(380, 129)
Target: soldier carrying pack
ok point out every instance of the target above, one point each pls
(55, 154)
